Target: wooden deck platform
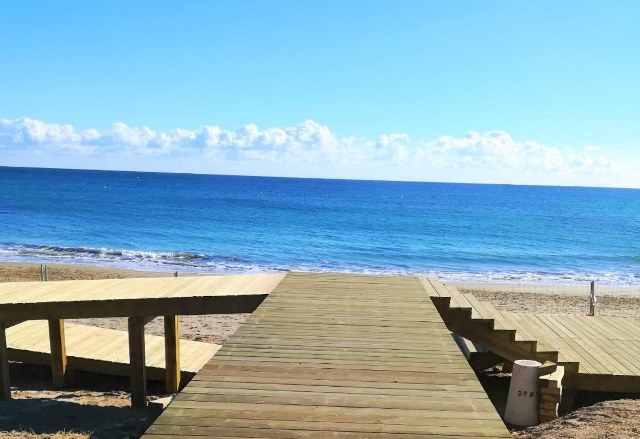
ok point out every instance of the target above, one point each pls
(336, 356)
(134, 297)
(102, 350)
(140, 300)
(602, 352)
(595, 353)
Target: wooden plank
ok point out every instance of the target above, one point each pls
(116, 289)
(499, 322)
(141, 307)
(58, 353)
(172, 353)
(337, 356)
(138, 375)
(100, 350)
(478, 306)
(134, 297)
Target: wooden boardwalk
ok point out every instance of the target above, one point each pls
(336, 356)
(102, 350)
(134, 297)
(591, 353)
(140, 300)
(602, 352)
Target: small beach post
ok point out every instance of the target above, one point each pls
(592, 299)
(523, 398)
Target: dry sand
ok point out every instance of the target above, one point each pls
(98, 406)
(622, 302)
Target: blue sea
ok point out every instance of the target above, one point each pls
(231, 224)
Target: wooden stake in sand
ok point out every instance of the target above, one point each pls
(44, 273)
(592, 299)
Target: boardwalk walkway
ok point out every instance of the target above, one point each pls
(602, 352)
(336, 356)
(140, 300)
(591, 353)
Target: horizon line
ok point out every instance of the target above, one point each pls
(319, 178)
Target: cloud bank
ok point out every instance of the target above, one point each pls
(312, 149)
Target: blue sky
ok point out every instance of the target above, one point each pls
(539, 92)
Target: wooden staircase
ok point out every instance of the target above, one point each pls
(468, 317)
(500, 333)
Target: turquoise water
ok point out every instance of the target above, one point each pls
(229, 224)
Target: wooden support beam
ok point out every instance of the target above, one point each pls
(58, 353)
(138, 373)
(5, 388)
(172, 353)
(197, 305)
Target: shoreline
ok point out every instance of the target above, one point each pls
(616, 284)
(30, 271)
(544, 298)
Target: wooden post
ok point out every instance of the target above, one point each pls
(172, 353)
(138, 373)
(175, 274)
(58, 353)
(41, 273)
(46, 272)
(5, 388)
(592, 299)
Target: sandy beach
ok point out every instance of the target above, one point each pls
(555, 299)
(98, 406)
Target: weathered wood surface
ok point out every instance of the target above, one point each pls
(336, 356)
(101, 350)
(134, 297)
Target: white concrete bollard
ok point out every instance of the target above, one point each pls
(522, 402)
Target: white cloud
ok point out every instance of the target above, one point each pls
(312, 149)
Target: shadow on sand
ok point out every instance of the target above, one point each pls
(49, 416)
(96, 406)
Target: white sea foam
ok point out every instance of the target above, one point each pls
(196, 262)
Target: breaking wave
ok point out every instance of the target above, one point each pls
(200, 262)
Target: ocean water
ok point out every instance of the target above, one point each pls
(213, 223)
